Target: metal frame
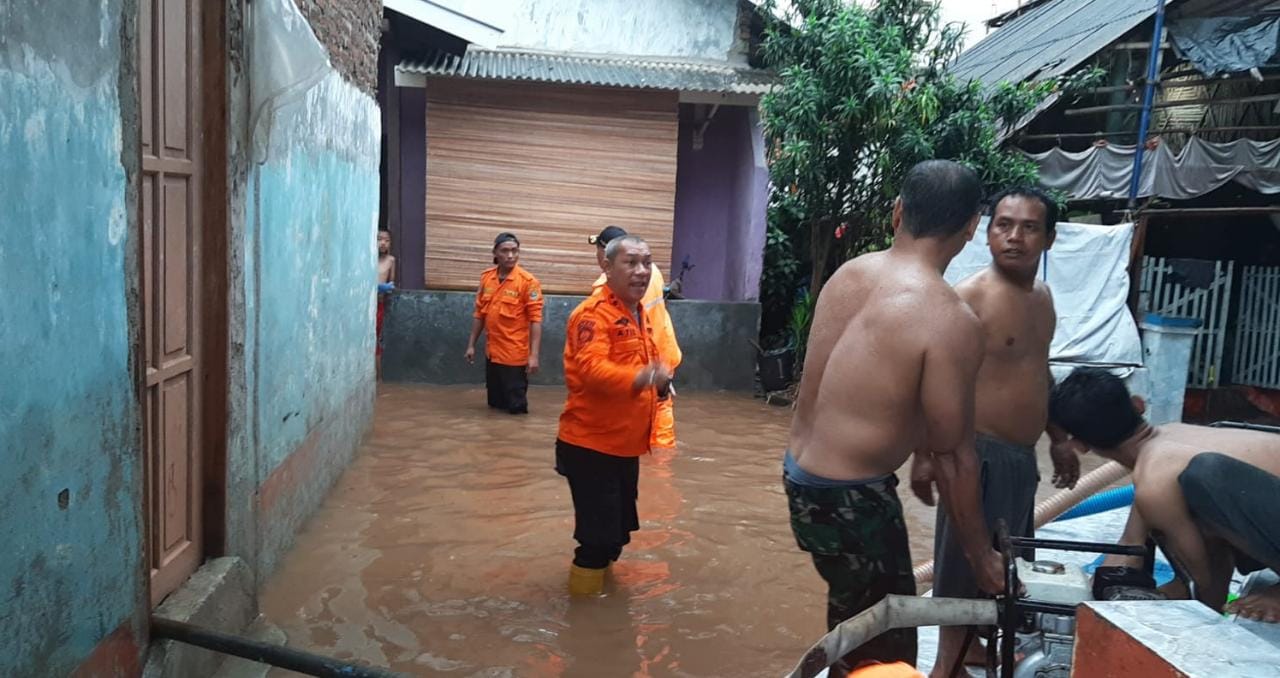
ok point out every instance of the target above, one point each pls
(1257, 350)
(1012, 607)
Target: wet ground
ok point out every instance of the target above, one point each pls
(444, 549)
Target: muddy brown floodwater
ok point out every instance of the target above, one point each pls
(444, 550)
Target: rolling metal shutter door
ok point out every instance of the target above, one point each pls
(551, 164)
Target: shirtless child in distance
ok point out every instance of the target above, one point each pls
(1211, 495)
(1012, 406)
(892, 358)
(386, 283)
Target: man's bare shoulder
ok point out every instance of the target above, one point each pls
(1155, 496)
(1043, 292)
(972, 289)
(857, 267)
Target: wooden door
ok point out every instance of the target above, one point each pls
(170, 275)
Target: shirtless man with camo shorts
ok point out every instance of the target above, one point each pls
(891, 365)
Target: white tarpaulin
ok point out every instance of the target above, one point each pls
(1088, 272)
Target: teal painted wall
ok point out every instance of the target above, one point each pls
(70, 480)
(312, 222)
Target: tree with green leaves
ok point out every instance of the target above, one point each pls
(864, 96)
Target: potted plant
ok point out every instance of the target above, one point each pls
(778, 366)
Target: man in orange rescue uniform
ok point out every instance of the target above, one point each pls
(509, 308)
(615, 379)
(664, 335)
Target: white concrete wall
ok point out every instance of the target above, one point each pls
(702, 29)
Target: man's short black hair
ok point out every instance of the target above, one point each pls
(939, 197)
(1051, 215)
(1094, 406)
(505, 237)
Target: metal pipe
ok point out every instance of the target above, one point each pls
(1088, 110)
(264, 653)
(1246, 425)
(1019, 543)
(1049, 136)
(1153, 75)
(1210, 211)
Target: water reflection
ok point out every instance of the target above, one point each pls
(444, 550)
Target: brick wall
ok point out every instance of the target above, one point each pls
(350, 30)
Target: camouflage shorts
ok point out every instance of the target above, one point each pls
(857, 537)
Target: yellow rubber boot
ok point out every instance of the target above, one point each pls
(586, 581)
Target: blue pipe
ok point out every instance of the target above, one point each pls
(1153, 72)
(1100, 502)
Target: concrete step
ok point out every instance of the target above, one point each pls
(262, 631)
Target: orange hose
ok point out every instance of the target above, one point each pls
(1054, 506)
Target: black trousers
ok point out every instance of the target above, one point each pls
(508, 387)
(1238, 500)
(604, 489)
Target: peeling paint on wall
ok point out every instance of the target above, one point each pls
(68, 413)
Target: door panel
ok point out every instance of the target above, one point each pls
(171, 168)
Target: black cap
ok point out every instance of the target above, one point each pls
(504, 237)
(609, 233)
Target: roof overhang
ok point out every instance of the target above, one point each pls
(446, 15)
(696, 81)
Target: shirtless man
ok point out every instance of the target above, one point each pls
(1211, 496)
(1012, 400)
(891, 363)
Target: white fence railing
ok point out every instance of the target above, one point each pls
(1162, 292)
(1257, 352)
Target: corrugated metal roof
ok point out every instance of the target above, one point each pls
(1050, 40)
(598, 70)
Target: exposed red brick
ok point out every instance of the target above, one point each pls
(351, 30)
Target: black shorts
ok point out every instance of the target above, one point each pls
(604, 490)
(508, 387)
(1008, 481)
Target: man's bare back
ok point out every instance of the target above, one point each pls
(859, 413)
(1207, 494)
(1160, 505)
(1013, 384)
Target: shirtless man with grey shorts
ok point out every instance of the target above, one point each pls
(1012, 399)
(891, 365)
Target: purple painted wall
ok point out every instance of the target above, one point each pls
(721, 191)
(411, 239)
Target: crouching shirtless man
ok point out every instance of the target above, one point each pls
(891, 364)
(1210, 495)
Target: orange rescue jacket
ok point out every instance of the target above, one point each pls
(664, 333)
(507, 307)
(604, 350)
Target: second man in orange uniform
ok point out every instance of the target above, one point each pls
(615, 379)
(509, 309)
(664, 335)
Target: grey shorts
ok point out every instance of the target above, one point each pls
(1237, 501)
(1008, 479)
